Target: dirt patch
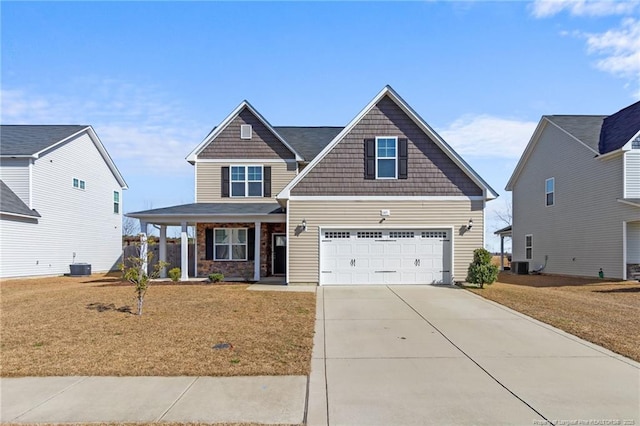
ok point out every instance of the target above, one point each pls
(83, 326)
(602, 312)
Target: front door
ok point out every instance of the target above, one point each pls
(279, 254)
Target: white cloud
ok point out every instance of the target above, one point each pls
(143, 132)
(488, 136)
(546, 8)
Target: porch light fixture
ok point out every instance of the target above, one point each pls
(470, 225)
(304, 224)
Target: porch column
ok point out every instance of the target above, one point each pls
(256, 256)
(502, 252)
(163, 250)
(143, 247)
(184, 253)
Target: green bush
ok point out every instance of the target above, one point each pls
(175, 274)
(216, 278)
(481, 271)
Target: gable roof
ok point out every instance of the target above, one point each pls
(388, 91)
(619, 128)
(192, 156)
(308, 141)
(31, 141)
(11, 204)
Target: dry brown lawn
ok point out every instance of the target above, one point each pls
(82, 326)
(605, 313)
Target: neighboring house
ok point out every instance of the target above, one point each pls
(382, 200)
(60, 201)
(576, 195)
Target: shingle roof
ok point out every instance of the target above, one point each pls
(11, 203)
(29, 139)
(308, 141)
(213, 209)
(585, 128)
(619, 128)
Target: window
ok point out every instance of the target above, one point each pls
(78, 183)
(550, 190)
(245, 131)
(230, 244)
(528, 246)
(386, 158)
(246, 181)
(116, 202)
(636, 143)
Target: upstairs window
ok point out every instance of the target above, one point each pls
(246, 181)
(528, 246)
(246, 131)
(386, 158)
(78, 183)
(116, 202)
(636, 143)
(550, 191)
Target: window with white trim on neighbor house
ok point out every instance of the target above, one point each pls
(246, 181)
(550, 191)
(230, 244)
(116, 202)
(528, 246)
(386, 158)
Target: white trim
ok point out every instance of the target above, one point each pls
(184, 252)
(245, 160)
(30, 168)
(246, 131)
(195, 183)
(553, 192)
(256, 249)
(193, 155)
(527, 246)
(246, 181)
(391, 198)
(489, 193)
(395, 158)
(19, 215)
(624, 175)
(230, 245)
(286, 275)
(620, 200)
(611, 154)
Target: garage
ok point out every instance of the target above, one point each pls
(394, 256)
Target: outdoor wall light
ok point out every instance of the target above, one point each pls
(304, 224)
(470, 225)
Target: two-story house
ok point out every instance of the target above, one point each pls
(576, 196)
(382, 200)
(60, 201)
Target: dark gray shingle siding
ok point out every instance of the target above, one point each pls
(30, 139)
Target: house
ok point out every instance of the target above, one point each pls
(60, 201)
(576, 195)
(382, 200)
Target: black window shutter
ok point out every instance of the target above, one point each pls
(266, 170)
(369, 158)
(225, 182)
(208, 243)
(251, 243)
(403, 156)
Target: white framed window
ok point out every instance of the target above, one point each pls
(550, 191)
(246, 181)
(386, 157)
(230, 244)
(78, 183)
(636, 143)
(116, 202)
(528, 246)
(246, 131)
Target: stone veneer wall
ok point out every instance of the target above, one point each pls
(237, 269)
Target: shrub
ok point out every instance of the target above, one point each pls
(175, 274)
(216, 277)
(481, 271)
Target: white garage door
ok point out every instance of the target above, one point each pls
(402, 256)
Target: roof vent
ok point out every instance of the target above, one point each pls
(245, 131)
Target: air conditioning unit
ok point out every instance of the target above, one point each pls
(520, 268)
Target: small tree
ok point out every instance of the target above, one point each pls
(481, 271)
(135, 270)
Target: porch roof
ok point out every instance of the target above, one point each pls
(213, 212)
(506, 231)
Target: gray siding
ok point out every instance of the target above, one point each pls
(633, 242)
(15, 173)
(73, 220)
(430, 170)
(263, 144)
(583, 231)
(304, 247)
(632, 173)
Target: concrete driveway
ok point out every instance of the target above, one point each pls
(418, 355)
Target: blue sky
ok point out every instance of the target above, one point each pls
(153, 78)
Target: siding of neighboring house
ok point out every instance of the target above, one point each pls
(304, 248)
(229, 145)
(208, 181)
(430, 170)
(73, 220)
(632, 173)
(583, 231)
(15, 173)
